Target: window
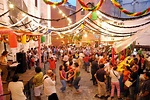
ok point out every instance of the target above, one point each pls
(36, 3)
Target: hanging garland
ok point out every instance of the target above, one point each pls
(85, 6)
(133, 32)
(19, 38)
(55, 3)
(35, 38)
(116, 4)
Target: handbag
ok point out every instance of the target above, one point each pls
(128, 83)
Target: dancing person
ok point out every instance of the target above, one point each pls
(76, 77)
(63, 79)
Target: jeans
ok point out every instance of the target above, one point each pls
(76, 82)
(63, 82)
(86, 64)
(113, 85)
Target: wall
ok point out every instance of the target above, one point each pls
(56, 40)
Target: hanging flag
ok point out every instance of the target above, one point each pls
(12, 40)
(23, 40)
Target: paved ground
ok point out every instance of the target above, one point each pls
(86, 86)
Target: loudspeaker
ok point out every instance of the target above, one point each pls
(22, 66)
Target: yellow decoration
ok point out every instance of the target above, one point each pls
(24, 39)
(82, 26)
(121, 64)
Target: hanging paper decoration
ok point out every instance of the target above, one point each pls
(94, 15)
(55, 3)
(24, 38)
(116, 4)
(12, 40)
(35, 38)
(28, 38)
(94, 8)
(19, 38)
(42, 39)
(82, 26)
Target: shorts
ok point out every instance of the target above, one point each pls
(38, 90)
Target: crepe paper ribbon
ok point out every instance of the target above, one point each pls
(55, 3)
(85, 6)
(116, 4)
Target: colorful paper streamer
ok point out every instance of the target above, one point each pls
(55, 3)
(116, 4)
(94, 8)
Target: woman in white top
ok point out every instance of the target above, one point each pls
(115, 76)
(16, 88)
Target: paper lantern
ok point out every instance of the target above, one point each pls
(12, 40)
(94, 15)
(24, 38)
(42, 39)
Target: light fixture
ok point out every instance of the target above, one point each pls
(11, 6)
(85, 35)
(23, 14)
(54, 6)
(60, 11)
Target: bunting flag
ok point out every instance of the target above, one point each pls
(12, 40)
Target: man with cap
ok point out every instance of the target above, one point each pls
(101, 79)
(145, 88)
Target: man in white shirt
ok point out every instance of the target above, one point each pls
(16, 88)
(49, 85)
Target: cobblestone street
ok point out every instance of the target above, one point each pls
(86, 86)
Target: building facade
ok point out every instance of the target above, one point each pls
(58, 13)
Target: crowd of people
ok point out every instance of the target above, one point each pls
(130, 83)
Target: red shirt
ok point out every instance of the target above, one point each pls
(52, 64)
(86, 59)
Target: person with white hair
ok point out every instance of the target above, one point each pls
(49, 85)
